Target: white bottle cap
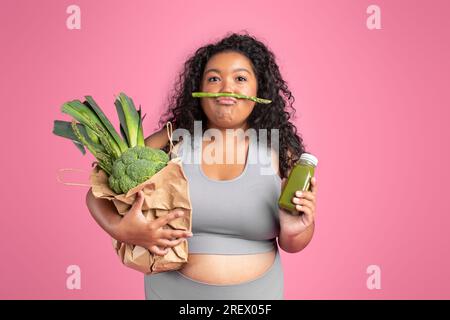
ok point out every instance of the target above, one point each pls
(309, 157)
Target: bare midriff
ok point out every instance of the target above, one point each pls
(226, 269)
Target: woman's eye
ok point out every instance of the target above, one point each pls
(241, 78)
(209, 79)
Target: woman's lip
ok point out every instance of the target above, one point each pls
(226, 100)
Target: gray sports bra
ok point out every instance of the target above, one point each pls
(237, 216)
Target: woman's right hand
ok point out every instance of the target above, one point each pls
(135, 229)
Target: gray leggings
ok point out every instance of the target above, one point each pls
(173, 285)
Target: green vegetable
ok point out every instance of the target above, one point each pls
(82, 137)
(225, 94)
(64, 129)
(127, 162)
(105, 161)
(91, 117)
(135, 166)
(107, 124)
(129, 120)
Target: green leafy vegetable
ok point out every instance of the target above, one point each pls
(129, 120)
(85, 114)
(135, 166)
(127, 162)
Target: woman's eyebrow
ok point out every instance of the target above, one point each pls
(235, 70)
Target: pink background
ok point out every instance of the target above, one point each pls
(371, 104)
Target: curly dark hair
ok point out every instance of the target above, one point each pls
(183, 109)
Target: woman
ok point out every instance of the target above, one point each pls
(232, 251)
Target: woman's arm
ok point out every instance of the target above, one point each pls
(293, 244)
(297, 230)
(158, 139)
(293, 236)
(104, 213)
(132, 228)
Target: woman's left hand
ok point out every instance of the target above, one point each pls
(295, 223)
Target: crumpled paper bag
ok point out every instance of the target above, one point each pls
(166, 190)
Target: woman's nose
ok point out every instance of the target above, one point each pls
(227, 86)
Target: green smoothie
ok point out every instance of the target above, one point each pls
(299, 179)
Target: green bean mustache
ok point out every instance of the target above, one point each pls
(225, 94)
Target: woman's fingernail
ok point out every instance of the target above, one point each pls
(298, 193)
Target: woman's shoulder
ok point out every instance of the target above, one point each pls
(158, 139)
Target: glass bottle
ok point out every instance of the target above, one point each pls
(299, 179)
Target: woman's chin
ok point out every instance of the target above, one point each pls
(225, 122)
(224, 114)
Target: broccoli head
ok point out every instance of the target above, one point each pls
(135, 166)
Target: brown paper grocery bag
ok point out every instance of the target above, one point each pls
(166, 190)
